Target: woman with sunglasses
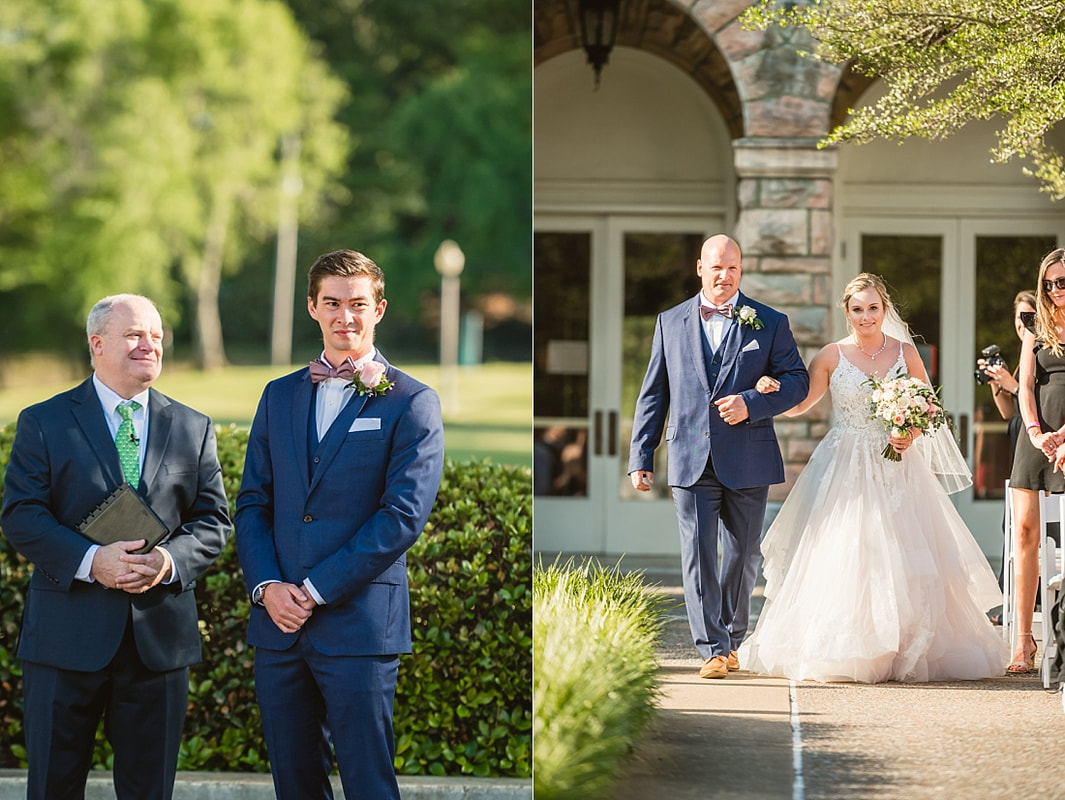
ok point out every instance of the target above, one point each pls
(1041, 398)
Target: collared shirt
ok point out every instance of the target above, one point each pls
(109, 401)
(715, 327)
(333, 394)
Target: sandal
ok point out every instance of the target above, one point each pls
(1025, 664)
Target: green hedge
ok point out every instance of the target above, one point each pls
(463, 703)
(596, 676)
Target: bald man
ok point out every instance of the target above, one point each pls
(706, 357)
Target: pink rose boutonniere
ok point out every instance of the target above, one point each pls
(370, 379)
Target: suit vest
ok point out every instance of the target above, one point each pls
(712, 358)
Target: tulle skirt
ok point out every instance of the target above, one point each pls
(871, 575)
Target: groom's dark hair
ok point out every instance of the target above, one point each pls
(346, 264)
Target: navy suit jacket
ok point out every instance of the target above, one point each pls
(343, 516)
(63, 464)
(677, 385)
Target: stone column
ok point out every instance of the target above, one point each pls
(785, 230)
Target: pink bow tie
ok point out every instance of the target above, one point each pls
(321, 371)
(709, 311)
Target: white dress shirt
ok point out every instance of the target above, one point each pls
(333, 394)
(109, 401)
(715, 327)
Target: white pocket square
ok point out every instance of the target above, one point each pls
(365, 424)
(751, 345)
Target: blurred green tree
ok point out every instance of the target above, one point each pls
(141, 148)
(945, 63)
(441, 122)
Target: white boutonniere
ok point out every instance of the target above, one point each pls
(370, 379)
(749, 317)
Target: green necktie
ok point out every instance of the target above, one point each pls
(126, 441)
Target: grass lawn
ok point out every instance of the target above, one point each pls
(492, 417)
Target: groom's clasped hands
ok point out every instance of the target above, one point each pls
(288, 605)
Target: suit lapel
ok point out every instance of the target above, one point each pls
(335, 436)
(302, 413)
(695, 336)
(89, 417)
(160, 422)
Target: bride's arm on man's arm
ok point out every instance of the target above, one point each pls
(820, 370)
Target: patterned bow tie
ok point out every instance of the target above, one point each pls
(709, 311)
(321, 371)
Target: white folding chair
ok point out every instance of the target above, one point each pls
(1008, 571)
(1051, 510)
(1050, 585)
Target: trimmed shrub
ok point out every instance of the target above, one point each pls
(463, 703)
(595, 683)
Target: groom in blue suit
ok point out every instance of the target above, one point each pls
(343, 464)
(706, 357)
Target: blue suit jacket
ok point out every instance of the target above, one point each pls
(676, 384)
(63, 464)
(344, 518)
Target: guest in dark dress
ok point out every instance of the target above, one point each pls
(1041, 400)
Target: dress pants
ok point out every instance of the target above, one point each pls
(143, 712)
(309, 700)
(718, 601)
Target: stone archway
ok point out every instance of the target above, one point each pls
(662, 28)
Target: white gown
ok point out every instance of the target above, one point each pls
(871, 574)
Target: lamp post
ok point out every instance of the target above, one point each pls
(449, 261)
(599, 29)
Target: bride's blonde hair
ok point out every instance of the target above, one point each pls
(1045, 325)
(859, 283)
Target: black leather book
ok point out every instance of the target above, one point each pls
(124, 516)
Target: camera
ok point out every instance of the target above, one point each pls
(992, 356)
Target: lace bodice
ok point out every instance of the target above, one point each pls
(850, 398)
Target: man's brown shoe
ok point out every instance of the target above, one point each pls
(733, 660)
(714, 667)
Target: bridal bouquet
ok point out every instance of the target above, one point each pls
(904, 402)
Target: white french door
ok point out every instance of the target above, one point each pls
(600, 282)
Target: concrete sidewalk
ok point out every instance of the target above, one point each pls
(241, 786)
(711, 739)
(757, 738)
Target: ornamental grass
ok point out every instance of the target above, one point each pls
(594, 681)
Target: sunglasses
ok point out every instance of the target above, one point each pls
(1057, 283)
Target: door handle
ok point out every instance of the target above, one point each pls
(597, 434)
(612, 434)
(963, 433)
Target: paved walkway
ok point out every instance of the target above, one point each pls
(749, 737)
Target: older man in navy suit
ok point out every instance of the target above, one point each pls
(343, 465)
(706, 357)
(108, 632)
